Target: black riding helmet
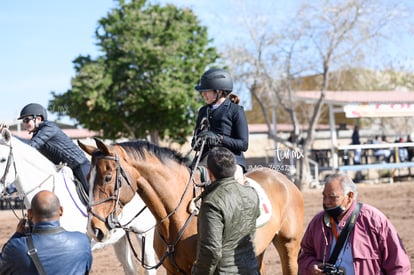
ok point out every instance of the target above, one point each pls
(215, 79)
(33, 109)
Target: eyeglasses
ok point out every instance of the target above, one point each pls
(331, 198)
(27, 119)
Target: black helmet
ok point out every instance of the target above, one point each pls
(215, 79)
(33, 109)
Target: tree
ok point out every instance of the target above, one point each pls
(143, 83)
(325, 37)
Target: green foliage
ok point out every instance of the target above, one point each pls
(144, 82)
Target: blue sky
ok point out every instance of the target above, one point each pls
(39, 40)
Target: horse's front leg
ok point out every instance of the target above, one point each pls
(260, 259)
(124, 254)
(150, 258)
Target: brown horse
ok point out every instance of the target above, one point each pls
(162, 179)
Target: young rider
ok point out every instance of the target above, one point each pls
(221, 122)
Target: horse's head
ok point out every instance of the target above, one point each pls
(8, 171)
(110, 189)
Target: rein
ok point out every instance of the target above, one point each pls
(40, 184)
(71, 196)
(170, 252)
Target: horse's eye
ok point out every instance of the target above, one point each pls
(108, 178)
(3, 160)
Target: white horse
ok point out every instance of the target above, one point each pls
(31, 172)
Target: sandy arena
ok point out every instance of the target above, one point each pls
(395, 200)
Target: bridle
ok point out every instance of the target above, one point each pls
(10, 160)
(4, 194)
(113, 221)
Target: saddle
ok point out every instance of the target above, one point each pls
(80, 190)
(82, 193)
(264, 203)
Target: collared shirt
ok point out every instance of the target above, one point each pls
(345, 258)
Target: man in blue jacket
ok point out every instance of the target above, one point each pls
(59, 251)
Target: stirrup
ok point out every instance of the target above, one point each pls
(82, 194)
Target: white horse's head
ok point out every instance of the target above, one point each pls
(24, 166)
(31, 171)
(8, 171)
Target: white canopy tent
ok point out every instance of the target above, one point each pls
(360, 104)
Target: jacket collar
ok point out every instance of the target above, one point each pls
(217, 183)
(341, 224)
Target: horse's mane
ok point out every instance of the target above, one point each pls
(138, 148)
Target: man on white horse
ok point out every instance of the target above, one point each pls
(53, 143)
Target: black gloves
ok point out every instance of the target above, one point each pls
(211, 139)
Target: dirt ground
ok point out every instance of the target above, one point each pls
(395, 200)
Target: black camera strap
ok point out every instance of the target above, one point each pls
(33, 251)
(346, 231)
(33, 254)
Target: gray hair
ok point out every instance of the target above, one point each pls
(346, 182)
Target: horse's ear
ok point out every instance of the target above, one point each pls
(6, 134)
(103, 148)
(89, 149)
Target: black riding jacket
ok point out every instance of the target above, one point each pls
(54, 144)
(229, 121)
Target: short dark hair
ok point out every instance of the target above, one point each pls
(221, 162)
(45, 206)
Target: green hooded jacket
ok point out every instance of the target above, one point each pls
(226, 229)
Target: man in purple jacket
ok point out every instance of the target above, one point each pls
(373, 246)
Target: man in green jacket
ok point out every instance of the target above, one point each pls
(227, 221)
